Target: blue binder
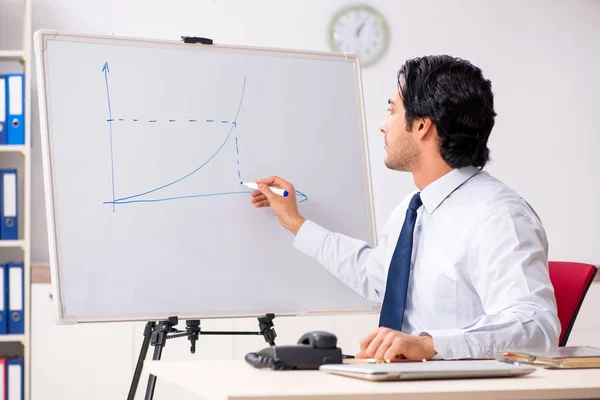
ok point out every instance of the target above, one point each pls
(15, 108)
(3, 97)
(3, 299)
(14, 379)
(9, 220)
(16, 320)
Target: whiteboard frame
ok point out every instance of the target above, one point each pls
(40, 39)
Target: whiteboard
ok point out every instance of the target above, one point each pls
(144, 145)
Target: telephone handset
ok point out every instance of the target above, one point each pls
(313, 349)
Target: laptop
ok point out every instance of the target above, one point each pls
(428, 370)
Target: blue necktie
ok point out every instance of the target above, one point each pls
(396, 287)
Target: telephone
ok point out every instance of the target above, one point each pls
(313, 349)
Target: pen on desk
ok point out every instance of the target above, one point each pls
(254, 185)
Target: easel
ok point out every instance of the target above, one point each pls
(156, 334)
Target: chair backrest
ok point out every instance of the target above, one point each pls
(571, 282)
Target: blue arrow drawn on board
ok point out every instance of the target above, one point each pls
(106, 71)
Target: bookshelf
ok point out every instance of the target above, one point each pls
(23, 245)
(12, 55)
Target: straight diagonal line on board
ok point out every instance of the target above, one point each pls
(177, 198)
(233, 125)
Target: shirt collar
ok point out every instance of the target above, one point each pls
(436, 192)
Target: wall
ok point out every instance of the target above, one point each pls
(542, 58)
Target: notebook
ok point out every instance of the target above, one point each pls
(555, 357)
(428, 370)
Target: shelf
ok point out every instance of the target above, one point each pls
(12, 338)
(13, 148)
(12, 243)
(12, 54)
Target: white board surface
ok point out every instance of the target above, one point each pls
(145, 143)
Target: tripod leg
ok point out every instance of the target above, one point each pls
(158, 340)
(140, 363)
(152, 378)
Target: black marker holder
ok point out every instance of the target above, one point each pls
(196, 39)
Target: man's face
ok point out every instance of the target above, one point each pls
(401, 150)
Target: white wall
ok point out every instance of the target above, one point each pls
(543, 58)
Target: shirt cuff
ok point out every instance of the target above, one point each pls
(449, 345)
(310, 238)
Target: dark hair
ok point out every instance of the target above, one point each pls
(455, 96)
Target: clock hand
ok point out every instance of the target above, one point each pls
(360, 28)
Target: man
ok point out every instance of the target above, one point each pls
(461, 265)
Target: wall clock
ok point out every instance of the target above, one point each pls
(359, 29)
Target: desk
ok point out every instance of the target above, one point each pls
(236, 380)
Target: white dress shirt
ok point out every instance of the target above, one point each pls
(479, 278)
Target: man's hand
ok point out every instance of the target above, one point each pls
(388, 344)
(285, 208)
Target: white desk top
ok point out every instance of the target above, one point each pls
(232, 380)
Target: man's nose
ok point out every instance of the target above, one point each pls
(382, 127)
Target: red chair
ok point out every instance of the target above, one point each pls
(571, 282)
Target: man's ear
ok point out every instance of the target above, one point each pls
(423, 128)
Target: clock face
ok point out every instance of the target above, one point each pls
(360, 30)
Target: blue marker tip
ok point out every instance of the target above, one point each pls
(285, 193)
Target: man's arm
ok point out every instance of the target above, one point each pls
(353, 261)
(509, 269)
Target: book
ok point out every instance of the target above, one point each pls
(554, 357)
